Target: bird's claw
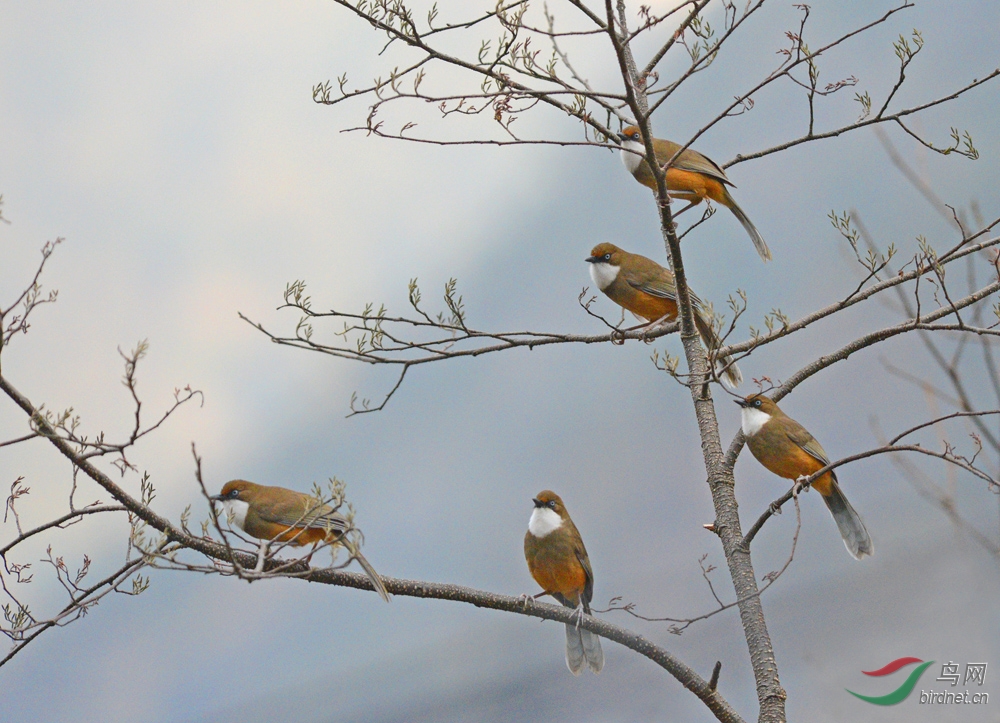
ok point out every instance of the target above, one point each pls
(651, 327)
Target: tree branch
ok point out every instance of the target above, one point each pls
(411, 588)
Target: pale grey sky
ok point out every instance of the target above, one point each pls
(177, 149)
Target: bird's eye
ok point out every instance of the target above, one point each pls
(756, 403)
(552, 504)
(606, 257)
(234, 494)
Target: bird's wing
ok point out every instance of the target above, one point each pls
(691, 160)
(305, 512)
(659, 285)
(654, 284)
(809, 444)
(588, 586)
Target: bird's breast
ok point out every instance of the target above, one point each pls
(553, 562)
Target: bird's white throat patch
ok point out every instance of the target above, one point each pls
(753, 420)
(632, 160)
(236, 512)
(543, 521)
(603, 274)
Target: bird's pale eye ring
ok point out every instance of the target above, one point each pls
(607, 257)
(756, 403)
(234, 494)
(552, 504)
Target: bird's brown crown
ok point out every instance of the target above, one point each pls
(764, 404)
(548, 498)
(234, 489)
(607, 253)
(632, 133)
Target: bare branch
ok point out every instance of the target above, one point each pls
(215, 550)
(922, 269)
(18, 440)
(79, 605)
(60, 522)
(893, 117)
(679, 625)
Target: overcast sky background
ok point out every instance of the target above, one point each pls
(177, 150)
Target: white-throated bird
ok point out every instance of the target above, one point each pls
(692, 177)
(558, 561)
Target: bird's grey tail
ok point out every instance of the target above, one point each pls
(852, 529)
(592, 649)
(372, 575)
(725, 366)
(758, 241)
(575, 654)
(583, 646)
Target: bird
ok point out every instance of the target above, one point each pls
(558, 561)
(276, 514)
(647, 289)
(691, 177)
(785, 448)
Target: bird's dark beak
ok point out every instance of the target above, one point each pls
(216, 498)
(742, 402)
(592, 260)
(622, 137)
(538, 503)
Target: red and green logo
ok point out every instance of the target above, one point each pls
(900, 694)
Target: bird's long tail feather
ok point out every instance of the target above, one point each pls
(758, 241)
(583, 646)
(732, 374)
(592, 649)
(575, 655)
(372, 575)
(852, 529)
